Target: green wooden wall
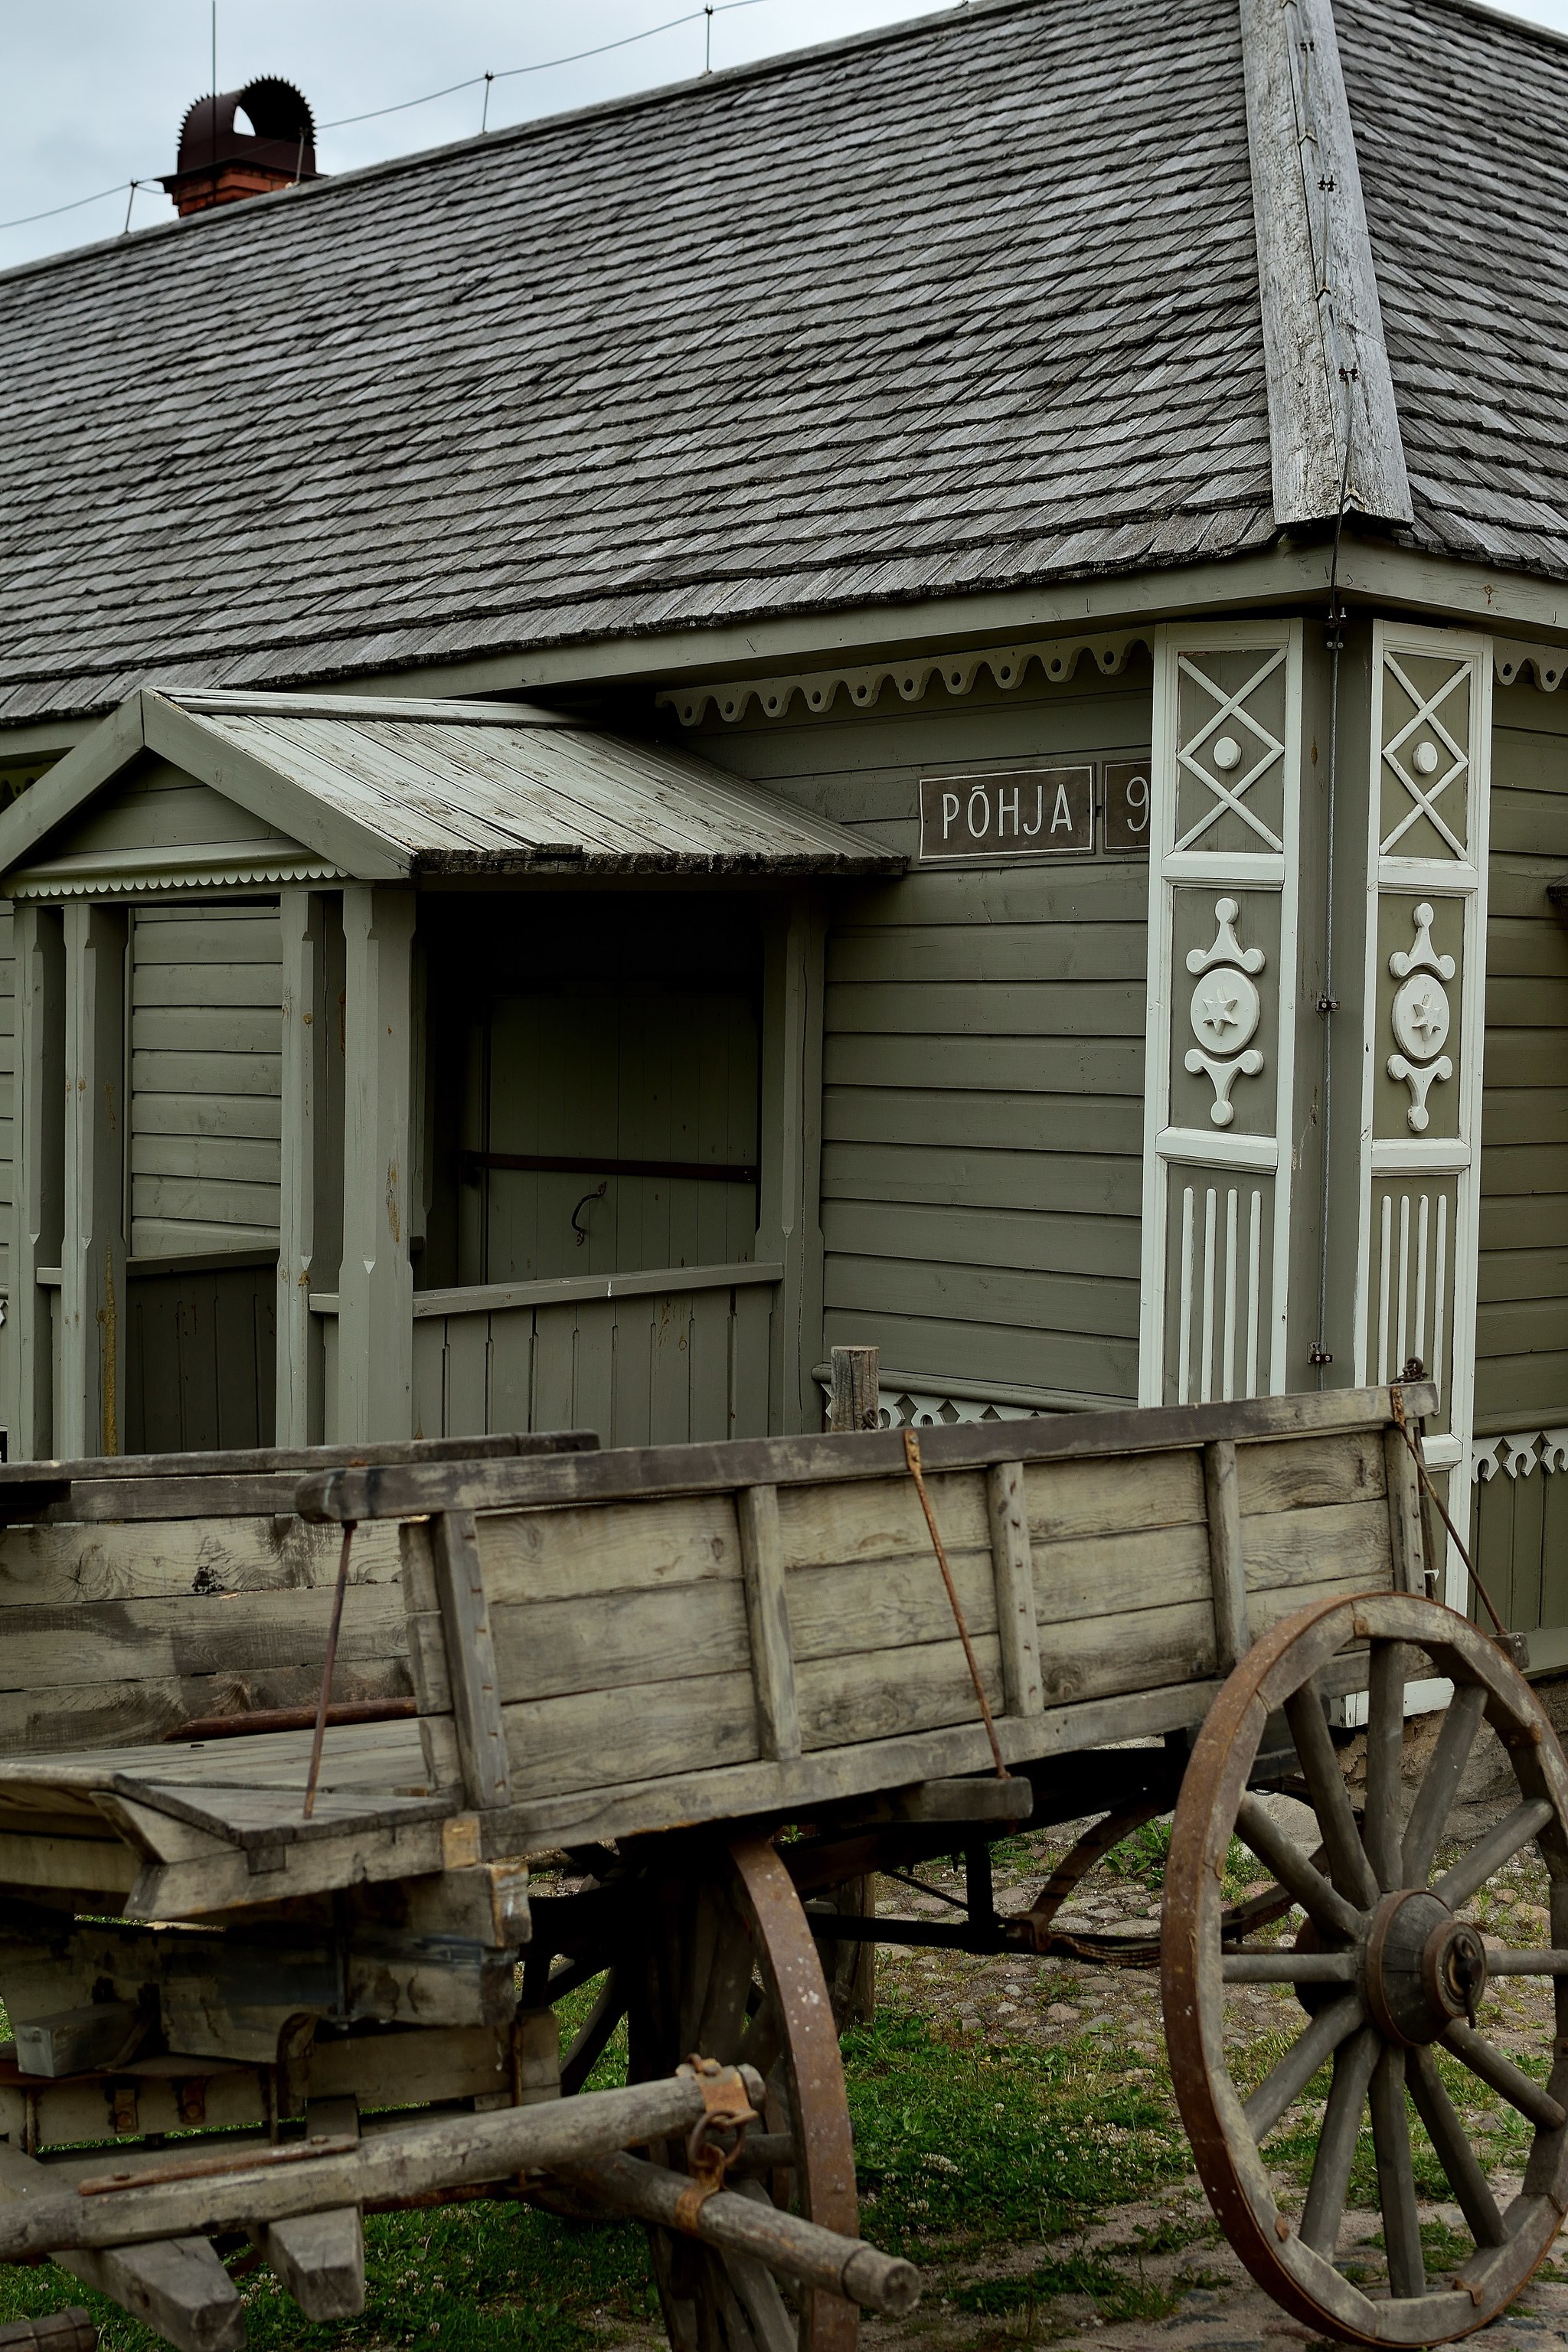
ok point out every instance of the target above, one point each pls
(1521, 1324)
(7, 1085)
(205, 1073)
(983, 1051)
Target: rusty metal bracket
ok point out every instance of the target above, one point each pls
(1401, 1424)
(717, 2135)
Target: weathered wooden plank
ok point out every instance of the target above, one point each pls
(619, 1547)
(1013, 1567)
(1291, 1473)
(1112, 1654)
(1068, 1499)
(1088, 1576)
(235, 1633)
(888, 1694)
(772, 1643)
(1320, 1545)
(595, 1740)
(396, 1490)
(544, 1649)
(843, 1606)
(881, 1520)
(1228, 1569)
(470, 1660)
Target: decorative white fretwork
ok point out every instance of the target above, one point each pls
(1224, 754)
(1420, 1017)
(1519, 1453)
(1056, 658)
(1425, 786)
(1225, 1012)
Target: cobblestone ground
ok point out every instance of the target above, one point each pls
(1155, 2271)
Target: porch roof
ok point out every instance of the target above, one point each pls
(369, 789)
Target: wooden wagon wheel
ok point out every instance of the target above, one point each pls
(727, 1968)
(1386, 1969)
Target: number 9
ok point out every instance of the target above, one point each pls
(1137, 796)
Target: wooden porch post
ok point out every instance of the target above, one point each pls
(375, 1288)
(302, 918)
(790, 1219)
(92, 1253)
(29, 1355)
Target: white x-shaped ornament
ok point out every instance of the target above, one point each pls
(1230, 796)
(1426, 797)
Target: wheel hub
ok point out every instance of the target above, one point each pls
(1424, 1968)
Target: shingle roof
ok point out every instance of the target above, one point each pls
(387, 789)
(971, 303)
(968, 304)
(1461, 126)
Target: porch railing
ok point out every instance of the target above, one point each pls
(676, 1355)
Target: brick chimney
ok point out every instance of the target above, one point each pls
(219, 165)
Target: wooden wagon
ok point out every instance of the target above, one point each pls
(715, 1686)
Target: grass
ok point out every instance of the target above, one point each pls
(959, 2149)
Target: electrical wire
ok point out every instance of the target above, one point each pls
(474, 81)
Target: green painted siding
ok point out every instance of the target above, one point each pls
(205, 1075)
(7, 1087)
(1521, 1324)
(1521, 1330)
(983, 1049)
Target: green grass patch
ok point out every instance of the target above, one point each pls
(960, 2146)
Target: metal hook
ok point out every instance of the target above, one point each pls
(597, 1194)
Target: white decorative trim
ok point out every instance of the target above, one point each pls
(1416, 1260)
(1227, 1318)
(1057, 658)
(1518, 1453)
(1548, 665)
(56, 887)
(907, 1409)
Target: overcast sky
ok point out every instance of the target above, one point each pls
(94, 90)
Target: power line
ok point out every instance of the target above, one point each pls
(544, 65)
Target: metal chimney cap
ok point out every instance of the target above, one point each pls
(282, 134)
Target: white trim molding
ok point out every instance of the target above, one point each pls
(1518, 1453)
(1424, 1013)
(1512, 658)
(1219, 1073)
(1056, 658)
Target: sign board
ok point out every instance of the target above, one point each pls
(1040, 812)
(1023, 812)
(1126, 804)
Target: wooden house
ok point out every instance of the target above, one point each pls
(907, 695)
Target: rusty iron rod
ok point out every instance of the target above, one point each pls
(327, 1666)
(912, 1456)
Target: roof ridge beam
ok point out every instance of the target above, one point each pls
(1332, 423)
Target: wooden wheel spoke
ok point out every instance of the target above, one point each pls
(592, 2036)
(722, 2025)
(1348, 1865)
(1288, 1967)
(1552, 1962)
(1440, 1785)
(1278, 1852)
(761, 2040)
(1396, 2176)
(1453, 2149)
(1531, 2099)
(1489, 1854)
(1301, 2062)
(1353, 2062)
(1385, 1750)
